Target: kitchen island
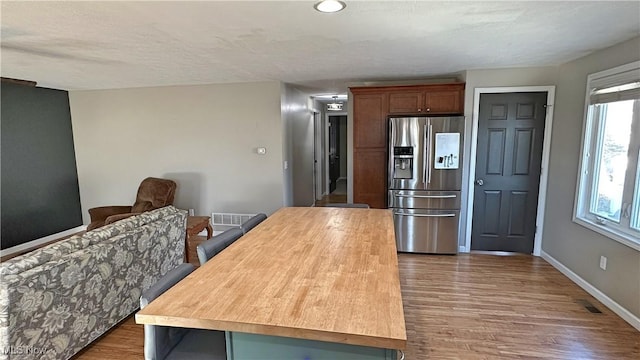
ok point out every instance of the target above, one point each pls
(307, 283)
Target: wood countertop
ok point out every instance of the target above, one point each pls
(328, 274)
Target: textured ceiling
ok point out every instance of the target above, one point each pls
(102, 45)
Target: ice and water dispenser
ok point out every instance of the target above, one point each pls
(403, 162)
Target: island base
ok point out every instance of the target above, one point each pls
(243, 346)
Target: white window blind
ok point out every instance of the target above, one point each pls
(617, 87)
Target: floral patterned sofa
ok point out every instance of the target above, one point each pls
(56, 300)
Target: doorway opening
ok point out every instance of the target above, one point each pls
(335, 159)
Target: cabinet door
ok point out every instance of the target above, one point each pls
(370, 177)
(444, 102)
(406, 102)
(369, 120)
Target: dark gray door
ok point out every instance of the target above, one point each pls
(509, 155)
(334, 152)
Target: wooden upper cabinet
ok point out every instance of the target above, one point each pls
(369, 120)
(406, 102)
(439, 99)
(444, 102)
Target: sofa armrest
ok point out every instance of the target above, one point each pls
(103, 212)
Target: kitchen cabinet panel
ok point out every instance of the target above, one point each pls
(369, 124)
(370, 177)
(406, 102)
(444, 102)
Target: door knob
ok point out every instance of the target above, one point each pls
(480, 182)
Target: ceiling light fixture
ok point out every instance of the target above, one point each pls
(335, 105)
(329, 6)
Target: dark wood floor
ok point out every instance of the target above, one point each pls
(476, 306)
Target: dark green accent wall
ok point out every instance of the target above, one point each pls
(39, 179)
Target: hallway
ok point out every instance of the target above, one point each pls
(339, 195)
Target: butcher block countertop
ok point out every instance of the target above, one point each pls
(328, 274)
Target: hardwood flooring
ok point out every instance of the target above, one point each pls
(475, 306)
(504, 307)
(123, 342)
(331, 198)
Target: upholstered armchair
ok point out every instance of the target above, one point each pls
(153, 193)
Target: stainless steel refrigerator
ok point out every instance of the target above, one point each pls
(425, 178)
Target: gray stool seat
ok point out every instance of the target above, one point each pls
(210, 248)
(253, 222)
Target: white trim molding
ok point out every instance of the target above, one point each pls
(544, 171)
(37, 242)
(625, 314)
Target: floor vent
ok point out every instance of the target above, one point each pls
(589, 306)
(225, 221)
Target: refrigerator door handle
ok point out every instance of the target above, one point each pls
(424, 156)
(427, 196)
(425, 215)
(430, 136)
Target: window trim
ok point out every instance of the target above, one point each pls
(634, 223)
(584, 185)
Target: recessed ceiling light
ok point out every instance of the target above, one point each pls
(329, 6)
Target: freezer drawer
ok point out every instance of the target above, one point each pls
(420, 199)
(427, 231)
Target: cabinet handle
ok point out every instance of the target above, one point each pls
(425, 215)
(419, 110)
(426, 196)
(428, 109)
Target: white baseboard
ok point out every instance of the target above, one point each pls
(604, 299)
(43, 240)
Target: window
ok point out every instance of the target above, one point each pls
(608, 193)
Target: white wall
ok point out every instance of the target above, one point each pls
(204, 137)
(577, 247)
(297, 115)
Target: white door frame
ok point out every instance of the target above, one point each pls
(318, 150)
(544, 171)
(326, 144)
